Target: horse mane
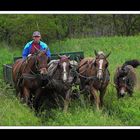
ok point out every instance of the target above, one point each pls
(85, 61)
(40, 53)
(134, 63)
(128, 66)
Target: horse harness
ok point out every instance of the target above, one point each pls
(93, 78)
(27, 76)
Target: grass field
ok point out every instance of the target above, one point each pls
(123, 112)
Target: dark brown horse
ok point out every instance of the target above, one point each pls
(94, 76)
(125, 78)
(61, 79)
(29, 75)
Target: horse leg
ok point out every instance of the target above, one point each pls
(130, 93)
(118, 94)
(37, 99)
(102, 93)
(67, 100)
(85, 90)
(17, 91)
(82, 84)
(96, 97)
(26, 95)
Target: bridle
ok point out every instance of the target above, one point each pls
(37, 69)
(100, 69)
(124, 80)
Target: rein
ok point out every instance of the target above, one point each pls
(29, 76)
(86, 77)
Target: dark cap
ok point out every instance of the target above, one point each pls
(36, 33)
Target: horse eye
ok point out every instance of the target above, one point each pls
(70, 66)
(106, 65)
(94, 64)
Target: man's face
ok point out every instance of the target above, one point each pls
(36, 38)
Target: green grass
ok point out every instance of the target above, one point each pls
(6, 55)
(123, 112)
(12, 112)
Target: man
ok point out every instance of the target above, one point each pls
(34, 45)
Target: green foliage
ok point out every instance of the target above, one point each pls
(6, 55)
(17, 29)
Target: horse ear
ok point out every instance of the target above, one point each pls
(95, 52)
(108, 54)
(59, 56)
(69, 57)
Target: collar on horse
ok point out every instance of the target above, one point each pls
(91, 77)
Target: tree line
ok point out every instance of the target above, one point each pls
(17, 29)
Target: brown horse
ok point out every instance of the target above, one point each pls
(61, 79)
(29, 75)
(94, 76)
(125, 78)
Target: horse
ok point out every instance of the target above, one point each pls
(94, 76)
(29, 75)
(125, 78)
(59, 88)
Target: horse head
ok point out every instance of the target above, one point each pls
(41, 62)
(122, 86)
(101, 63)
(122, 81)
(64, 67)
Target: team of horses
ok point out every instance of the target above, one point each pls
(34, 78)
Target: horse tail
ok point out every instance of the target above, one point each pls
(134, 63)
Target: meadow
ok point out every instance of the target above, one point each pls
(123, 112)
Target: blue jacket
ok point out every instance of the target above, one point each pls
(28, 46)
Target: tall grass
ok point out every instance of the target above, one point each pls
(12, 112)
(123, 112)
